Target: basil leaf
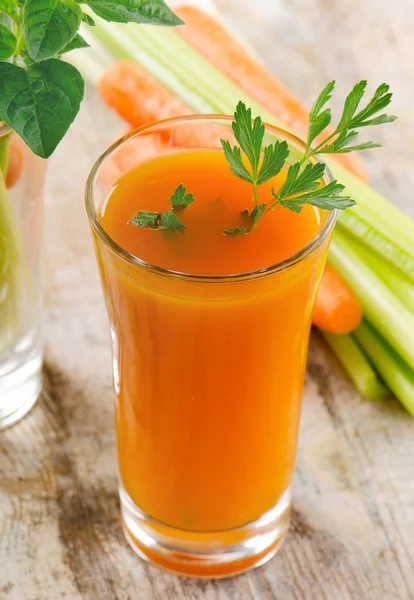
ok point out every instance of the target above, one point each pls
(40, 102)
(49, 25)
(8, 6)
(8, 43)
(137, 11)
(88, 20)
(77, 42)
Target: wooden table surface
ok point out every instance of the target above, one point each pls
(352, 534)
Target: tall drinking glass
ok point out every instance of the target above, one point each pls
(22, 178)
(206, 427)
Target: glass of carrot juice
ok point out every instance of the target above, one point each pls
(209, 338)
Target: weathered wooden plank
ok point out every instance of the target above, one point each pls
(353, 522)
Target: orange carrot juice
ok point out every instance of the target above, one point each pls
(210, 341)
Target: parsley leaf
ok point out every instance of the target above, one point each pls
(180, 198)
(338, 142)
(318, 120)
(274, 157)
(249, 134)
(169, 220)
(326, 197)
(233, 157)
(257, 213)
(299, 182)
(235, 231)
(146, 219)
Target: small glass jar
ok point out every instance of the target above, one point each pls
(22, 179)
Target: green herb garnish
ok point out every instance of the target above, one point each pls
(235, 231)
(180, 198)
(168, 219)
(250, 136)
(39, 95)
(303, 184)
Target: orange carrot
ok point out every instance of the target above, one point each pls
(15, 161)
(337, 309)
(140, 99)
(214, 42)
(137, 96)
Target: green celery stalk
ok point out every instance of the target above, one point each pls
(205, 89)
(395, 372)
(394, 279)
(357, 366)
(9, 259)
(386, 312)
(385, 247)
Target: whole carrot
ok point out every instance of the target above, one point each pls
(136, 96)
(214, 42)
(140, 99)
(337, 309)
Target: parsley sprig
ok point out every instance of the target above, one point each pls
(249, 135)
(167, 219)
(303, 184)
(344, 134)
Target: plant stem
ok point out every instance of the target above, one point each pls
(395, 372)
(384, 310)
(356, 365)
(9, 261)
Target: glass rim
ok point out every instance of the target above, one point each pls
(292, 260)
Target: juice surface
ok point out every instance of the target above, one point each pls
(208, 377)
(219, 199)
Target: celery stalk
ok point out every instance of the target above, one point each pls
(387, 248)
(395, 372)
(386, 312)
(395, 281)
(356, 365)
(205, 89)
(9, 259)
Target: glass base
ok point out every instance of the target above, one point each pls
(20, 387)
(213, 554)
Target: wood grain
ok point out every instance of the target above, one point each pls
(353, 520)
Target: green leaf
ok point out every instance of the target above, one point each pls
(257, 213)
(169, 220)
(326, 197)
(8, 43)
(235, 231)
(146, 219)
(292, 206)
(137, 11)
(49, 25)
(318, 120)
(233, 157)
(298, 182)
(40, 102)
(249, 134)
(9, 7)
(364, 146)
(322, 99)
(340, 142)
(76, 43)
(351, 104)
(88, 20)
(274, 158)
(180, 198)
(380, 100)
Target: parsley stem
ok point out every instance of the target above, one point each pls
(311, 151)
(255, 193)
